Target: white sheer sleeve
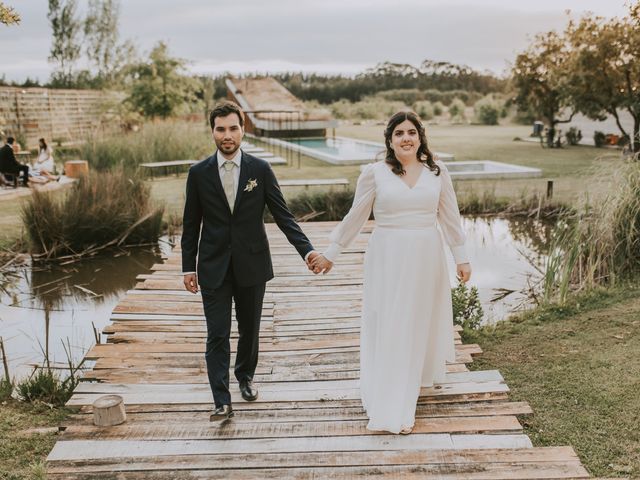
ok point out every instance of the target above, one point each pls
(347, 230)
(449, 217)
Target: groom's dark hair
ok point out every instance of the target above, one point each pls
(226, 108)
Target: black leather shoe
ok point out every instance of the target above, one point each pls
(225, 412)
(248, 391)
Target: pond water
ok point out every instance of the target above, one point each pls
(42, 308)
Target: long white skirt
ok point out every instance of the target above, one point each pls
(407, 323)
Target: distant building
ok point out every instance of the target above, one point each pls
(273, 111)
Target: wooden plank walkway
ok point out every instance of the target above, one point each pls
(308, 421)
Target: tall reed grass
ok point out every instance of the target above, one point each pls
(332, 206)
(101, 209)
(154, 142)
(319, 206)
(471, 202)
(599, 245)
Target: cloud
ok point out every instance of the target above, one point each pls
(311, 35)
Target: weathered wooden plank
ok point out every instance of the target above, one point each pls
(166, 372)
(171, 308)
(300, 412)
(540, 456)
(103, 449)
(299, 344)
(200, 393)
(490, 471)
(302, 344)
(238, 430)
(178, 336)
(467, 378)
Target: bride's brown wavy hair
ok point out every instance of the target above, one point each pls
(424, 154)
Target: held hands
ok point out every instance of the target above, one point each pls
(191, 282)
(317, 263)
(463, 272)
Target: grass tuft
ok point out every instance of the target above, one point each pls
(100, 209)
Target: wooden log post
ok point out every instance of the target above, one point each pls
(549, 189)
(108, 410)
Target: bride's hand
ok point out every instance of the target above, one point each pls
(463, 271)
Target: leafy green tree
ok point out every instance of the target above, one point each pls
(604, 68)
(65, 49)
(158, 89)
(102, 47)
(539, 76)
(8, 15)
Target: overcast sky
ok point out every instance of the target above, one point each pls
(326, 36)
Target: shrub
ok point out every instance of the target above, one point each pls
(573, 136)
(340, 109)
(448, 96)
(424, 109)
(438, 109)
(599, 138)
(456, 109)
(488, 110)
(369, 108)
(467, 309)
(99, 209)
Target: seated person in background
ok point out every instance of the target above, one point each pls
(43, 166)
(9, 164)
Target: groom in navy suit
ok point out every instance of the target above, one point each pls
(225, 251)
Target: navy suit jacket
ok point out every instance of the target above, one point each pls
(213, 237)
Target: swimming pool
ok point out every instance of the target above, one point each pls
(338, 150)
(349, 151)
(476, 169)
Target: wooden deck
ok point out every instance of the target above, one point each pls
(308, 421)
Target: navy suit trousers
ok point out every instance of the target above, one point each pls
(217, 310)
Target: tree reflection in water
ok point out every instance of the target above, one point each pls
(69, 296)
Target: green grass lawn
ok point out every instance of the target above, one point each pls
(27, 435)
(579, 369)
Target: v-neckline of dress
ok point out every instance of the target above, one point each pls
(405, 183)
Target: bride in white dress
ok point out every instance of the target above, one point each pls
(407, 320)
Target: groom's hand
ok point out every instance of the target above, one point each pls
(310, 258)
(191, 282)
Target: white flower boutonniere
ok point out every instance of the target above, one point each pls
(251, 184)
